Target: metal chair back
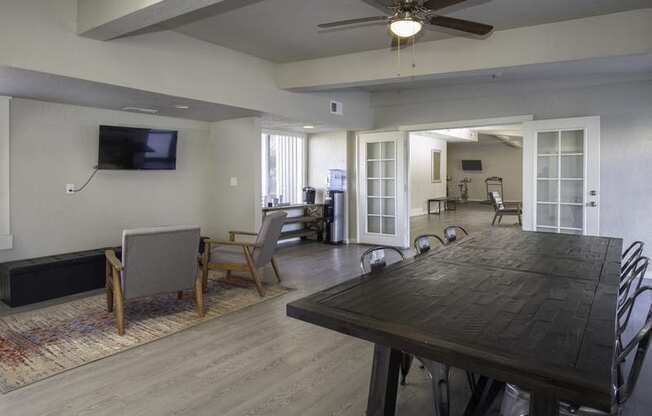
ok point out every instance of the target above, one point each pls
(373, 259)
(633, 252)
(422, 242)
(624, 386)
(450, 233)
(632, 277)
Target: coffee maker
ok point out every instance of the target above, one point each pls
(309, 195)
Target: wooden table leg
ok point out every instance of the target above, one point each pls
(384, 381)
(543, 404)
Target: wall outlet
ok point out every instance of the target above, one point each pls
(233, 181)
(70, 188)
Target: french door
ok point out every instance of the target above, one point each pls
(382, 193)
(561, 165)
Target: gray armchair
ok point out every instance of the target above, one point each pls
(154, 261)
(242, 256)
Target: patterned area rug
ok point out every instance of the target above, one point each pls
(39, 344)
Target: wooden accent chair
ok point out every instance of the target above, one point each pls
(154, 261)
(501, 208)
(247, 257)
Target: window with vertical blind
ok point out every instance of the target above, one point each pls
(283, 166)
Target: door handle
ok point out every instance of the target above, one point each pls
(592, 204)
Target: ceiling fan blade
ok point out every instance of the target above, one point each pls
(434, 5)
(352, 22)
(461, 25)
(382, 5)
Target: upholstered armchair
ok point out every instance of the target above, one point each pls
(245, 256)
(154, 261)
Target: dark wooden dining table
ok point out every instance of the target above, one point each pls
(529, 308)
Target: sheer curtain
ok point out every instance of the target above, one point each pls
(283, 166)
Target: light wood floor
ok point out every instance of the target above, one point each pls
(253, 362)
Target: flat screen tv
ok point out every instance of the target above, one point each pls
(471, 165)
(128, 148)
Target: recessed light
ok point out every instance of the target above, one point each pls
(309, 126)
(141, 110)
(182, 107)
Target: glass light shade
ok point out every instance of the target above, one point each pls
(405, 28)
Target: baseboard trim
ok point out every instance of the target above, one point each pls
(417, 212)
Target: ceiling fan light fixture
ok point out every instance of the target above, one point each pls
(405, 27)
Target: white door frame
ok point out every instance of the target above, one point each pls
(402, 236)
(591, 127)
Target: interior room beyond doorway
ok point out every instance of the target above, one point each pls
(453, 171)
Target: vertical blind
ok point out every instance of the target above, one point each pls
(283, 167)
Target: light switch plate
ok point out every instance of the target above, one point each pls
(233, 181)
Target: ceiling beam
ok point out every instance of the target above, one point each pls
(110, 19)
(619, 34)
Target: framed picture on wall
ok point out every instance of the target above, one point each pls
(435, 170)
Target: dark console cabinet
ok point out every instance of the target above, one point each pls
(24, 282)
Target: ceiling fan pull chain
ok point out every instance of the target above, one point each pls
(414, 54)
(398, 51)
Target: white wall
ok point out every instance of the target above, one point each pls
(625, 108)
(421, 186)
(325, 151)
(56, 144)
(235, 152)
(497, 160)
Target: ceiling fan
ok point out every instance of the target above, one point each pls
(407, 18)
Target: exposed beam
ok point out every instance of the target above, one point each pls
(618, 34)
(110, 19)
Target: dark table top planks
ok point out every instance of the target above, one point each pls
(535, 309)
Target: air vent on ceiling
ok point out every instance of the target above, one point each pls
(336, 108)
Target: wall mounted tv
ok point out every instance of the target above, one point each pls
(471, 165)
(128, 148)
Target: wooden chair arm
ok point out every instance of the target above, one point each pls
(209, 242)
(232, 234)
(113, 260)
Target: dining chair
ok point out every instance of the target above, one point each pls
(439, 373)
(422, 242)
(516, 402)
(632, 277)
(450, 233)
(374, 259)
(633, 252)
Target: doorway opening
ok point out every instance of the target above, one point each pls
(546, 171)
(454, 175)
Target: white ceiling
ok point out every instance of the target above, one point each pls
(286, 30)
(509, 135)
(53, 88)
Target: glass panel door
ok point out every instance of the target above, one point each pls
(381, 187)
(560, 168)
